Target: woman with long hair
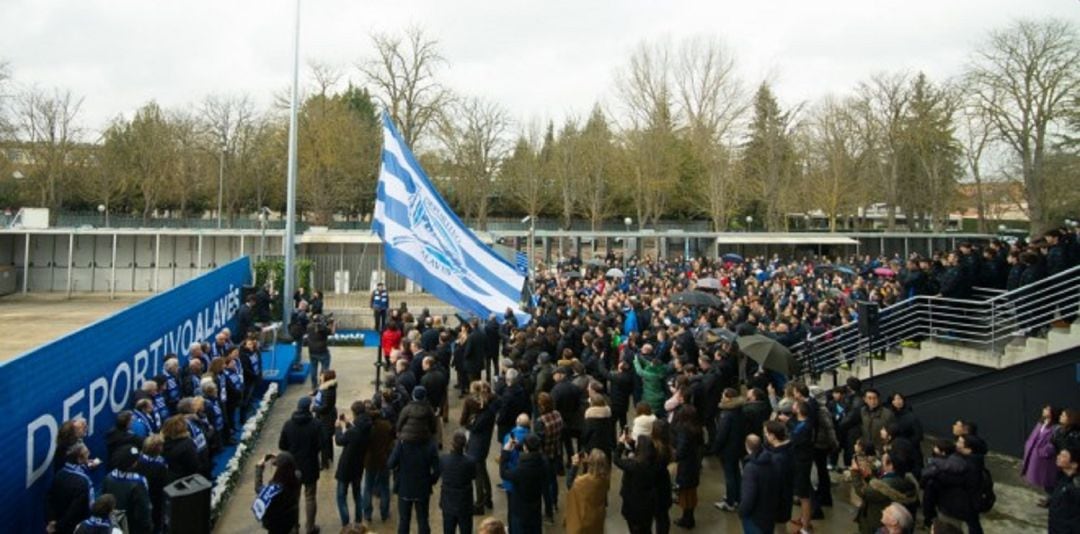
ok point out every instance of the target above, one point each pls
(478, 417)
(638, 482)
(325, 403)
(277, 504)
(179, 450)
(586, 501)
(689, 445)
(1039, 468)
(661, 438)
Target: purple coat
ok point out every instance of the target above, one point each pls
(1040, 468)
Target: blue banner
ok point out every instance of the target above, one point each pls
(92, 373)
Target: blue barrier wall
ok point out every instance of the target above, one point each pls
(92, 373)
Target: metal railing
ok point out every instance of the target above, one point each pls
(988, 324)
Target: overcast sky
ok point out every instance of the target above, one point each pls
(540, 59)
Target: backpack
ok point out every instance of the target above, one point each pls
(984, 498)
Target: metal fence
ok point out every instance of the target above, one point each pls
(988, 324)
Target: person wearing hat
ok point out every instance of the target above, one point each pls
(417, 422)
(131, 490)
(380, 303)
(302, 438)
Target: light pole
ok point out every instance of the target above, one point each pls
(626, 238)
(290, 202)
(264, 215)
(532, 239)
(749, 223)
(104, 213)
(220, 183)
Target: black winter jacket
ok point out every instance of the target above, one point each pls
(354, 443)
(301, 437)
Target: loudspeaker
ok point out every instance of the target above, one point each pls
(189, 505)
(868, 318)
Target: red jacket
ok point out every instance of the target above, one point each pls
(390, 340)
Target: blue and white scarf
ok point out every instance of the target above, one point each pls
(80, 471)
(161, 410)
(128, 477)
(236, 378)
(263, 500)
(144, 459)
(197, 436)
(217, 417)
(222, 391)
(97, 522)
(172, 388)
(255, 358)
(147, 420)
(318, 401)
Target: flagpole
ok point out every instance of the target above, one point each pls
(290, 223)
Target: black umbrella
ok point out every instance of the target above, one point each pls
(571, 274)
(715, 335)
(698, 299)
(769, 353)
(732, 257)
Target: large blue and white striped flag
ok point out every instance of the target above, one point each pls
(427, 243)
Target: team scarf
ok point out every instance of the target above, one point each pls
(236, 378)
(80, 471)
(97, 522)
(158, 460)
(218, 416)
(223, 392)
(161, 410)
(147, 420)
(255, 358)
(264, 498)
(197, 436)
(172, 387)
(117, 474)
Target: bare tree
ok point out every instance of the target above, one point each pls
(835, 153)
(526, 176)
(1022, 77)
(710, 96)
(404, 73)
(711, 99)
(975, 136)
(47, 123)
(885, 100)
(5, 100)
(226, 119)
(473, 135)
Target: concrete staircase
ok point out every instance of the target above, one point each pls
(1020, 350)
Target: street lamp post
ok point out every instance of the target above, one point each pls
(626, 239)
(104, 213)
(264, 215)
(749, 223)
(220, 183)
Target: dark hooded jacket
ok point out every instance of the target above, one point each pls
(300, 437)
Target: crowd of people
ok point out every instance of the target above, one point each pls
(177, 424)
(610, 376)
